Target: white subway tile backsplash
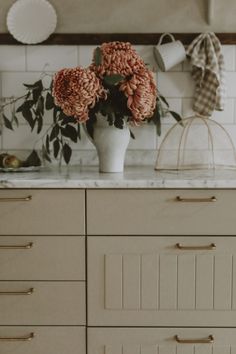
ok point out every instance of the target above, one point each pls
(85, 55)
(21, 64)
(21, 139)
(175, 84)
(145, 138)
(229, 57)
(12, 58)
(12, 82)
(175, 105)
(51, 58)
(231, 84)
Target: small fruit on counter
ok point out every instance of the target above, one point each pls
(1, 158)
(11, 161)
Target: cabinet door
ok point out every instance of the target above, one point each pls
(42, 212)
(161, 281)
(161, 341)
(42, 257)
(42, 303)
(42, 340)
(161, 212)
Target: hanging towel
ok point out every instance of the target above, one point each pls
(208, 72)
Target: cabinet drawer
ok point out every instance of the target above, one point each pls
(46, 340)
(149, 281)
(50, 303)
(42, 257)
(42, 212)
(160, 212)
(161, 341)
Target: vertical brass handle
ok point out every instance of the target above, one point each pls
(212, 246)
(196, 200)
(26, 292)
(209, 339)
(18, 339)
(17, 247)
(15, 199)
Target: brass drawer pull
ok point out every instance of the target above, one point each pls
(209, 339)
(22, 199)
(212, 246)
(196, 200)
(17, 247)
(18, 339)
(27, 292)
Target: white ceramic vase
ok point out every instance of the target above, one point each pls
(111, 144)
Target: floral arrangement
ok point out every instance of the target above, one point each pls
(117, 85)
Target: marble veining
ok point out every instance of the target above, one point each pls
(133, 177)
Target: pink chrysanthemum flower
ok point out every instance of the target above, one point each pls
(141, 92)
(118, 58)
(76, 91)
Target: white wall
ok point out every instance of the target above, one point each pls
(24, 64)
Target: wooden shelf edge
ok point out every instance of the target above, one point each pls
(98, 38)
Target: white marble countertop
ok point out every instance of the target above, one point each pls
(133, 177)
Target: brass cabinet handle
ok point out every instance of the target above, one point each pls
(18, 339)
(196, 200)
(17, 247)
(212, 246)
(21, 199)
(209, 339)
(27, 292)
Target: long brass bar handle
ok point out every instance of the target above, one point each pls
(196, 200)
(212, 246)
(27, 292)
(18, 339)
(17, 247)
(208, 340)
(20, 199)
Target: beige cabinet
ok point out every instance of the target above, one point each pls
(161, 340)
(161, 212)
(42, 212)
(162, 281)
(42, 272)
(42, 340)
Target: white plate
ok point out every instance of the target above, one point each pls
(21, 169)
(31, 21)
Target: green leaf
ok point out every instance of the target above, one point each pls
(55, 131)
(70, 132)
(49, 101)
(98, 56)
(40, 105)
(67, 120)
(15, 119)
(7, 122)
(78, 131)
(113, 79)
(37, 85)
(177, 117)
(56, 147)
(25, 105)
(67, 152)
(132, 134)
(162, 98)
(40, 124)
(45, 154)
(32, 160)
(27, 114)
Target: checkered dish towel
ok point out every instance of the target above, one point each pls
(208, 72)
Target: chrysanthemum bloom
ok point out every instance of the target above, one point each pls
(76, 91)
(141, 92)
(118, 58)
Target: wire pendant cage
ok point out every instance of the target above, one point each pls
(199, 143)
